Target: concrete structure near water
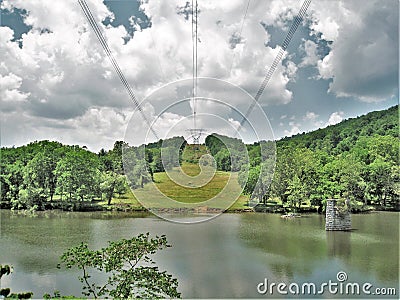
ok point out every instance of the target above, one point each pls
(336, 218)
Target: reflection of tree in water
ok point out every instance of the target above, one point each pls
(37, 240)
(375, 245)
(338, 244)
(300, 246)
(292, 246)
(283, 270)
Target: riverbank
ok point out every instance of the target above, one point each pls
(125, 206)
(125, 203)
(129, 203)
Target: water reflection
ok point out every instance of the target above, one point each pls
(293, 245)
(225, 257)
(338, 244)
(299, 247)
(39, 239)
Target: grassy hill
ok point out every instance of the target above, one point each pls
(185, 191)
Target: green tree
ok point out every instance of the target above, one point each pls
(111, 184)
(170, 157)
(78, 174)
(394, 188)
(252, 177)
(12, 181)
(223, 160)
(6, 292)
(157, 164)
(39, 177)
(140, 174)
(130, 270)
(258, 181)
(296, 192)
(379, 175)
(283, 172)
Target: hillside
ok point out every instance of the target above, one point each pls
(344, 135)
(356, 159)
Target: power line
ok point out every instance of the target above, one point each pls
(193, 68)
(103, 42)
(197, 39)
(195, 56)
(283, 47)
(240, 32)
(195, 132)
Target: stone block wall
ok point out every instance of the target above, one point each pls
(334, 219)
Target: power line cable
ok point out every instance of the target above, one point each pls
(193, 68)
(240, 33)
(283, 47)
(89, 16)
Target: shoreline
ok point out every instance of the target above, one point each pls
(130, 209)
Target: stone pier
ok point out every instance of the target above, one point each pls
(337, 218)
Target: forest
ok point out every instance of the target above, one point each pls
(357, 159)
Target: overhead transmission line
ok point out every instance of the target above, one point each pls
(297, 20)
(195, 132)
(195, 39)
(240, 33)
(103, 42)
(193, 66)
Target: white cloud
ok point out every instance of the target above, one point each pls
(363, 59)
(311, 58)
(61, 77)
(311, 116)
(335, 118)
(9, 85)
(291, 70)
(235, 124)
(62, 73)
(294, 129)
(98, 128)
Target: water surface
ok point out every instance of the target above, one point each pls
(225, 257)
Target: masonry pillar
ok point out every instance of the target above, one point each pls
(336, 219)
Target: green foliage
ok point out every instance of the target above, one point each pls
(111, 184)
(78, 175)
(342, 137)
(342, 207)
(230, 154)
(6, 292)
(296, 192)
(356, 159)
(127, 263)
(45, 175)
(223, 160)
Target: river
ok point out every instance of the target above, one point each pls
(225, 257)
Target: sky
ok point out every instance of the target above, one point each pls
(56, 82)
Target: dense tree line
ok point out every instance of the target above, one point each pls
(45, 174)
(356, 159)
(32, 176)
(142, 162)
